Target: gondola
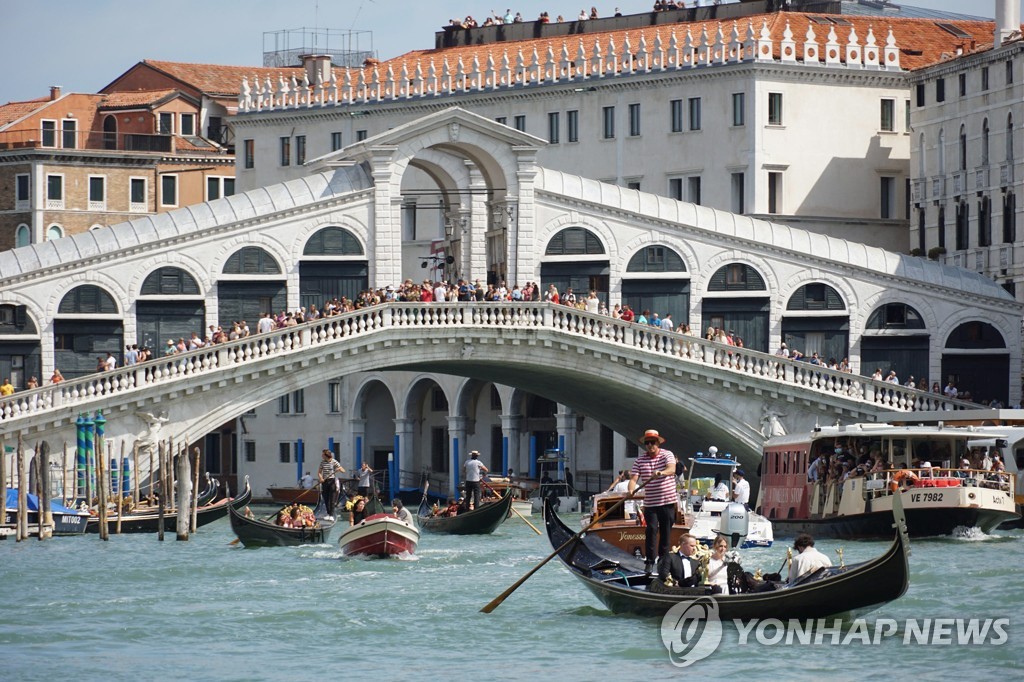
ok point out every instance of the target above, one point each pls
(254, 532)
(619, 581)
(148, 520)
(480, 521)
(285, 495)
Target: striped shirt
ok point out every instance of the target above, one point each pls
(328, 467)
(660, 491)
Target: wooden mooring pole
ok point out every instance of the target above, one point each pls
(195, 490)
(184, 494)
(22, 513)
(163, 492)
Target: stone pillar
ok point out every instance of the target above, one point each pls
(404, 448)
(386, 233)
(457, 451)
(522, 234)
(474, 240)
(566, 420)
(358, 429)
(511, 434)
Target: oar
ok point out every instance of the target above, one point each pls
(496, 602)
(268, 518)
(513, 508)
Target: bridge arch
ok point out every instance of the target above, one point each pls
(736, 296)
(88, 325)
(816, 318)
(898, 334)
(976, 358)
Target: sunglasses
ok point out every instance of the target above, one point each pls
(650, 442)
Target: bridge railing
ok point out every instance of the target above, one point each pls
(512, 315)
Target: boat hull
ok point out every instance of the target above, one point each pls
(64, 524)
(929, 522)
(283, 495)
(259, 533)
(149, 520)
(380, 535)
(481, 521)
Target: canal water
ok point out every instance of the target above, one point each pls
(137, 609)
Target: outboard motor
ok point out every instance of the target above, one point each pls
(734, 523)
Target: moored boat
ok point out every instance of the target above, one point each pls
(66, 521)
(520, 492)
(380, 535)
(147, 519)
(483, 520)
(618, 580)
(805, 487)
(294, 494)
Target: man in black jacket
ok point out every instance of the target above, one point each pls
(682, 565)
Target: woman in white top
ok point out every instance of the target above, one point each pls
(718, 567)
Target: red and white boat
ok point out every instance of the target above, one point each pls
(380, 535)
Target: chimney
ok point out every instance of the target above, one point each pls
(1007, 19)
(317, 64)
(54, 93)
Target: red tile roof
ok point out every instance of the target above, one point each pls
(214, 79)
(135, 99)
(15, 111)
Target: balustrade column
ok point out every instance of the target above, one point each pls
(456, 446)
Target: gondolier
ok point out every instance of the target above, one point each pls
(328, 484)
(475, 470)
(658, 466)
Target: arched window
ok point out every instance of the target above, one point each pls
(251, 260)
(1009, 137)
(921, 166)
(942, 151)
(984, 142)
(169, 281)
(895, 316)
(54, 232)
(23, 236)
(736, 277)
(975, 335)
(110, 132)
(333, 241)
(963, 147)
(816, 296)
(574, 241)
(656, 259)
(87, 299)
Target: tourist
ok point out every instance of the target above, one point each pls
(6, 388)
(808, 559)
(328, 484)
(56, 377)
(399, 510)
(307, 481)
(474, 473)
(720, 492)
(950, 390)
(356, 509)
(657, 467)
(741, 488)
(718, 566)
(33, 382)
(681, 565)
(365, 473)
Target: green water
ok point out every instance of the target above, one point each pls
(137, 609)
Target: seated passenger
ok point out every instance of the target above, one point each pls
(718, 574)
(452, 509)
(681, 565)
(808, 559)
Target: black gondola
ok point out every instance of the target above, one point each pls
(480, 521)
(255, 532)
(618, 580)
(148, 520)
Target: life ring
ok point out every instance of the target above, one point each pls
(899, 477)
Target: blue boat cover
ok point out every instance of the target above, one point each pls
(33, 503)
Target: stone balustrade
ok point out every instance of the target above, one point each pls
(181, 371)
(610, 57)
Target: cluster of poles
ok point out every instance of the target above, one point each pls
(102, 479)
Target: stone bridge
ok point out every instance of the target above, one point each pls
(619, 373)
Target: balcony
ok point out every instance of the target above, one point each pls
(980, 260)
(939, 187)
(1006, 174)
(981, 178)
(959, 182)
(97, 206)
(918, 190)
(147, 143)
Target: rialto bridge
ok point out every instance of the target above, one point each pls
(341, 229)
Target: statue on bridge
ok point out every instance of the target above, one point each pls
(771, 423)
(154, 424)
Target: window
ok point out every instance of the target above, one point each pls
(608, 122)
(963, 147)
(300, 150)
(572, 122)
(188, 124)
(984, 78)
(49, 133)
(774, 192)
(97, 193)
(676, 115)
(1009, 71)
(693, 189)
(940, 89)
(963, 225)
(553, 121)
(961, 83)
(334, 397)
(887, 123)
(137, 194)
(921, 230)
(286, 151)
(250, 153)
(693, 107)
(919, 94)
(984, 221)
(169, 190)
(55, 191)
(633, 184)
(284, 451)
(775, 108)
(361, 135)
(906, 116)
(984, 142)
(218, 187)
(941, 224)
(21, 190)
(23, 236)
(887, 195)
(503, 120)
(1009, 218)
(1009, 137)
(738, 192)
(520, 123)
(675, 188)
(69, 133)
(165, 123)
(250, 450)
(634, 120)
(335, 141)
(739, 105)
(54, 232)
